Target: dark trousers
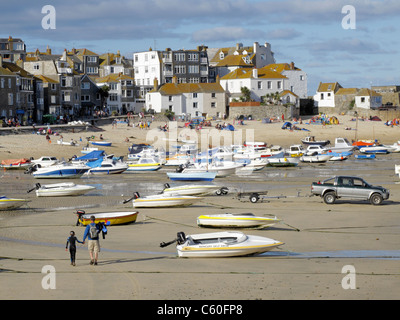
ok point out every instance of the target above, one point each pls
(72, 252)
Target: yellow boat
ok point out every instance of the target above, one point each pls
(113, 218)
(144, 164)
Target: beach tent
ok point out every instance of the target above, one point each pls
(333, 120)
(230, 128)
(287, 125)
(375, 118)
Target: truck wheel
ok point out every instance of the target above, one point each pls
(329, 198)
(254, 198)
(376, 199)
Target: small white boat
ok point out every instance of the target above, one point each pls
(296, 150)
(144, 164)
(11, 203)
(111, 218)
(342, 145)
(310, 140)
(63, 170)
(178, 159)
(235, 220)
(191, 190)
(221, 168)
(107, 166)
(394, 148)
(254, 165)
(61, 189)
(67, 143)
(397, 169)
(86, 150)
(101, 143)
(315, 158)
(375, 150)
(221, 244)
(46, 161)
(12, 164)
(162, 201)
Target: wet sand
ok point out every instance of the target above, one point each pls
(319, 239)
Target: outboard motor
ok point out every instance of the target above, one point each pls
(181, 238)
(79, 213)
(166, 185)
(180, 168)
(136, 195)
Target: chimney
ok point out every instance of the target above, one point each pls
(292, 65)
(217, 79)
(64, 55)
(239, 45)
(255, 73)
(48, 50)
(73, 51)
(20, 63)
(155, 84)
(1, 61)
(10, 45)
(174, 80)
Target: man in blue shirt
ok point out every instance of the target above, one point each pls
(92, 233)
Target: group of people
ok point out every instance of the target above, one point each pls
(91, 233)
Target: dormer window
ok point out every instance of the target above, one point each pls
(221, 55)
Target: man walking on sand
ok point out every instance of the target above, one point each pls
(92, 233)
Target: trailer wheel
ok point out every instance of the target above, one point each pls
(329, 198)
(376, 199)
(218, 192)
(254, 198)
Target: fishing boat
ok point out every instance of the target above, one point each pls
(7, 203)
(162, 201)
(63, 170)
(342, 145)
(221, 244)
(191, 190)
(12, 164)
(61, 189)
(144, 164)
(101, 143)
(365, 156)
(45, 161)
(315, 158)
(283, 162)
(191, 176)
(310, 140)
(113, 218)
(235, 220)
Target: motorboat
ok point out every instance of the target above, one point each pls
(162, 200)
(63, 170)
(364, 143)
(178, 159)
(235, 220)
(12, 164)
(61, 189)
(310, 140)
(191, 176)
(316, 148)
(336, 156)
(221, 244)
(253, 153)
(101, 143)
(315, 157)
(191, 190)
(296, 151)
(283, 162)
(67, 143)
(7, 203)
(374, 150)
(394, 148)
(45, 161)
(342, 145)
(106, 166)
(86, 150)
(255, 144)
(112, 218)
(144, 164)
(254, 165)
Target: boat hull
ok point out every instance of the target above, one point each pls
(219, 248)
(191, 190)
(235, 221)
(164, 202)
(191, 176)
(63, 190)
(114, 218)
(101, 143)
(9, 204)
(59, 173)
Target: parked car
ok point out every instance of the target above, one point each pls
(349, 187)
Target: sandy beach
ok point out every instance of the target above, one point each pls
(320, 240)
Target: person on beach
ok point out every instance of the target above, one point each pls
(92, 233)
(72, 246)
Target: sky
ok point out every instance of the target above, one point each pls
(357, 46)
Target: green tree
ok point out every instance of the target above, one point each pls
(245, 94)
(104, 93)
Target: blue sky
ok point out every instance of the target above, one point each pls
(307, 32)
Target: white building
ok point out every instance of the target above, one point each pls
(368, 99)
(147, 67)
(325, 96)
(195, 99)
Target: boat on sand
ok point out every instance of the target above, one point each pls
(61, 189)
(221, 244)
(113, 218)
(7, 203)
(235, 220)
(162, 201)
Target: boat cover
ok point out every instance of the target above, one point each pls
(94, 155)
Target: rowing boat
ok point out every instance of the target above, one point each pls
(114, 218)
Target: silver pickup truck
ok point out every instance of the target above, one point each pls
(349, 187)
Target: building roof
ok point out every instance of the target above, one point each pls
(180, 88)
(328, 87)
(234, 60)
(46, 79)
(347, 91)
(367, 92)
(82, 52)
(280, 67)
(114, 77)
(285, 92)
(16, 69)
(263, 73)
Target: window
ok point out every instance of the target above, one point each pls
(10, 99)
(193, 57)
(85, 85)
(194, 105)
(36, 66)
(269, 84)
(212, 104)
(193, 69)
(92, 70)
(279, 85)
(213, 95)
(113, 86)
(9, 83)
(259, 85)
(170, 98)
(179, 56)
(53, 99)
(92, 59)
(2, 83)
(136, 58)
(301, 78)
(362, 99)
(322, 96)
(194, 94)
(179, 69)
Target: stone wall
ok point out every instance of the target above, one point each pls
(259, 112)
(384, 115)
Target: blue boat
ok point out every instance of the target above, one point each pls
(365, 156)
(101, 143)
(191, 176)
(60, 171)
